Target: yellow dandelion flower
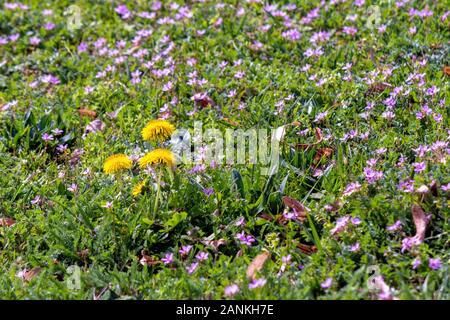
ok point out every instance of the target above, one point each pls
(116, 163)
(157, 130)
(158, 156)
(137, 190)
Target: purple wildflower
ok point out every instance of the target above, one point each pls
(257, 283)
(435, 264)
(231, 290)
(168, 258)
(327, 283)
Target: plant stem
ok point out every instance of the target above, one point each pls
(158, 193)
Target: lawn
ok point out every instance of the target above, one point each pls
(224, 149)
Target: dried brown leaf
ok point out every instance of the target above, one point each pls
(377, 88)
(446, 70)
(7, 222)
(257, 264)
(203, 100)
(84, 112)
(319, 138)
(322, 152)
(296, 206)
(28, 275)
(229, 121)
(83, 254)
(215, 244)
(147, 260)
(420, 221)
(306, 249)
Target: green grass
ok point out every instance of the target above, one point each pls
(62, 228)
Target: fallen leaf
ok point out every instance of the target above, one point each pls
(306, 249)
(322, 152)
(87, 113)
(377, 88)
(7, 222)
(83, 254)
(420, 221)
(319, 135)
(214, 243)
(203, 100)
(296, 206)
(266, 216)
(319, 138)
(434, 188)
(28, 275)
(446, 70)
(147, 260)
(229, 121)
(257, 264)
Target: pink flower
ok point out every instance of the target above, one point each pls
(34, 41)
(351, 188)
(184, 251)
(231, 290)
(73, 188)
(202, 256)
(394, 227)
(168, 258)
(435, 264)
(327, 283)
(47, 137)
(191, 269)
(257, 283)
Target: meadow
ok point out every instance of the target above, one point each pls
(97, 203)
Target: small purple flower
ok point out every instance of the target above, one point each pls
(108, 205)
(192, 267)
(245, 239)
(73, 188)
(408, 243)
(202, 256)
(341, 224)
(57, 131)
(446, 187)
(286, 259)
(34, 41)
(208, 191)
(435, 264)
(257, 283)
(82, 47)
(240, 222)
(231, 290)
(61, 148)
(419, 166)
(355, 221)
(168, 258)
(327, 283)
(406, 186)
(184, 251)
(355, 247)
(49, 26)
(372, 175)
(394, 227)
(416, 263)
(351, 188)
(47, 137)
(36, 200)
(123, 11)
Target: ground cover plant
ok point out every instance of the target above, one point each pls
(95, 202)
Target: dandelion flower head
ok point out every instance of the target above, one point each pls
(158, 157)
(157, 130)
(116, 163)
